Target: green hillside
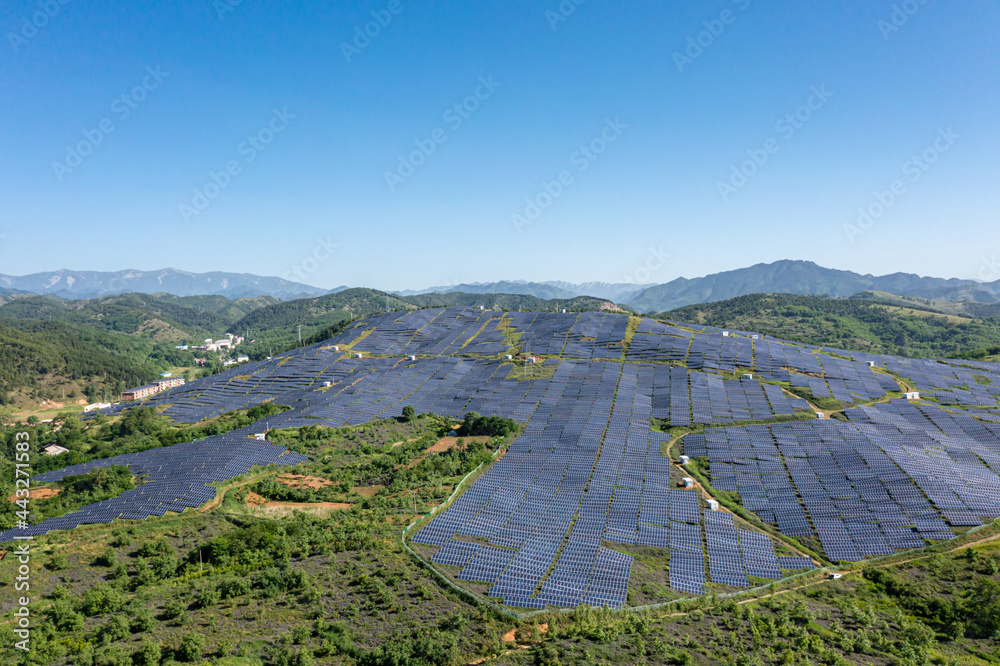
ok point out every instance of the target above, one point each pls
(159, 316)
(510, 302)
(320, 576)
(863, 324)
(36, 356)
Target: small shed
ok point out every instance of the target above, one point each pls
(357, 355)
(685, 460)
(820, 415)
(713, 505)
(687, 482)
(912, 395)
(748, 376)
(411, 358)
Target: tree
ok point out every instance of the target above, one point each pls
(409, 413)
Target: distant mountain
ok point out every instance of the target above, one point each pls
(616, 292)
(807, 279)
(90, 284)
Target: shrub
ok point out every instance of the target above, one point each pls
(59, 562)
(174, 609)
(99, 600)
(191, 647)
(148, 654)
(117, 629)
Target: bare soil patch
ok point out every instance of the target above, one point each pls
(447, 443)
(37, 493)
(301, 481)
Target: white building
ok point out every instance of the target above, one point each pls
(687, 482)
(748, 376)
(912, 395)
(54, 450)
(96, 405)
(685, 460)
(713, 505)
(820, 415)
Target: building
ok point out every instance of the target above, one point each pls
(685, 460)
(140, 392)
(358, 355)
(54, 450)
(260, 436)
(820, 415)
(242, 359)
(96, 405)
(912, 395)
(871, 364)
(169, 382)
(748, 376)
(713, 505)
(411, 358)
(327, 384)
(508, 357)
(530, 359)
(687, 482)
(725, 334)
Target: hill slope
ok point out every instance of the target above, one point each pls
(161, 316)
(861, 324)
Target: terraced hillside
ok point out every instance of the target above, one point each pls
(584, 507)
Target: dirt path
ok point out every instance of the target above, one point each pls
(221, 494)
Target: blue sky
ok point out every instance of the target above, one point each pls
(613, 142)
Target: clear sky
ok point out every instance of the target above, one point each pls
(595, 141)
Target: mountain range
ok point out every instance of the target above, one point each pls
(71, 284)
(803, 278)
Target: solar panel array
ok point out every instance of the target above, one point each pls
(588, 471)
(176, 478)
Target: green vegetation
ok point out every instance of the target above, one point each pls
(514, 302)
(474, 425)
(31, 352)
(83, 489)
(861, 324)
(233, 588)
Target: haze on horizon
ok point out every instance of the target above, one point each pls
(501, 141)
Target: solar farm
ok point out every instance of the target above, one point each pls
(595, 472)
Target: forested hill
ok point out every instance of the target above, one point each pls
(511, 302)
(864, 324)
(32, 351)
(155, 316)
